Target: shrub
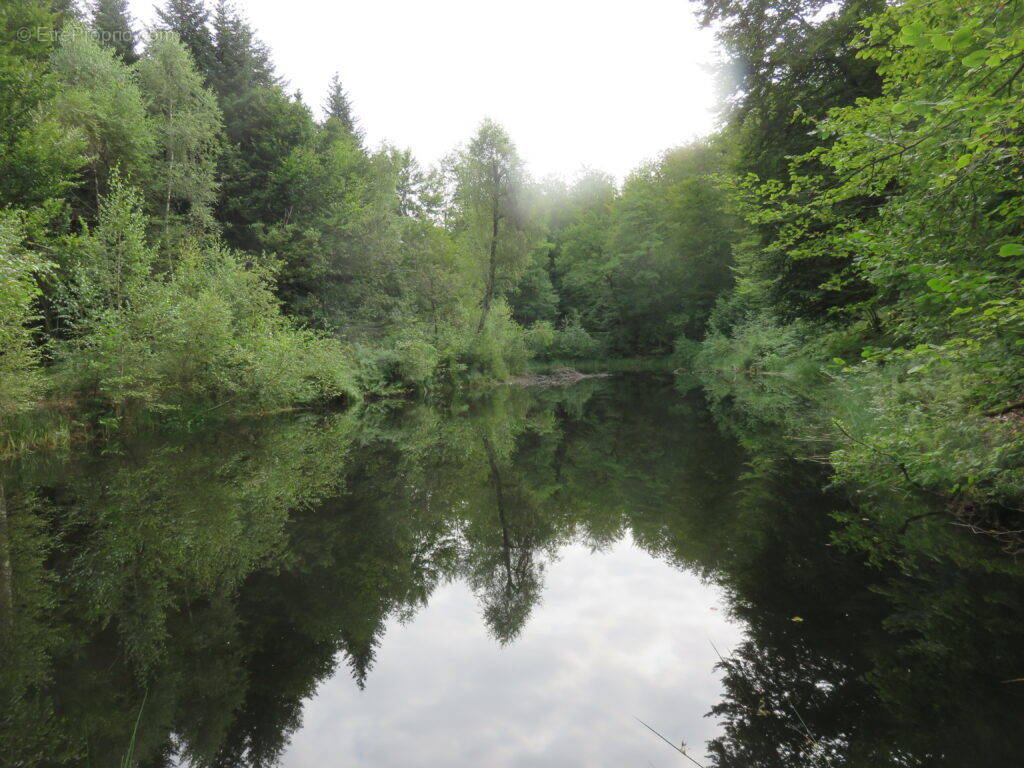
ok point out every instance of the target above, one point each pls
(501, 348)
(19, 376)
(209, 331)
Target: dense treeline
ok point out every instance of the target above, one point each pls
(180, 233)
(875, 162)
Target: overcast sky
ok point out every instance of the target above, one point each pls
(577, 83)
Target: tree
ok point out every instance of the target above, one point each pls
(338, 110)
(189, 20)
(113, 24)
(790, 62)
(114, 261)
(186, 123)
(262, 127)
(338, 241)
(19, 269)
(490, 215)
(38, 157)
(241, 61)
(100, 99)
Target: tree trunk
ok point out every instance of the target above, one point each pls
(492, 268)
(500, 497)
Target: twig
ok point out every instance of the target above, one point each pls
(677, 749)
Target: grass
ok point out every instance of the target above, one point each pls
(38, 429)
(129, 757)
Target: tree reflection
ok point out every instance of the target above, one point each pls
(220, 577)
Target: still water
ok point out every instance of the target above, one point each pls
(516, 579)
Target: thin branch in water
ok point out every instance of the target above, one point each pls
(677, 749)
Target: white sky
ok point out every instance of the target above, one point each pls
(577, 83)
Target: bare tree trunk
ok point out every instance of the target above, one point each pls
(492, 268)
(169, 157)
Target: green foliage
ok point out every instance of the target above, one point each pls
(38, 158)
(186, 123)
(340, 118)
(99, 100)
(208, 331)
(19, 272)
(573, 342)
(642, 266)
(189, 22)
(900, 232)
(490, 215)
(113, 24)
(501, 347)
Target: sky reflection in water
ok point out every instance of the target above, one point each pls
(617, 635)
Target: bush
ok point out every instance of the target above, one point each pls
(209, 331)
(759, 344)
(502, 346)
(19, 375)
(571, 342)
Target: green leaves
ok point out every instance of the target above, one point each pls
(940, 285)
(962, 38)
(975, 58)
(1011, 249)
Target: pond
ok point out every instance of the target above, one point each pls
(528, 577)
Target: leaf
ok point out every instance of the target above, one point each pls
(899, 108)
(913, 34)
(1011, 249)
(796, 618)
(962, 38)
(975, 58)
(941, 42)
(963, 161)
(940, 285)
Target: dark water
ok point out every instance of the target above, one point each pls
(507, 581)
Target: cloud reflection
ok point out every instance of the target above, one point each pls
(618, 634)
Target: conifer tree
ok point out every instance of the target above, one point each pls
(113, 25)
(190, 21)
(242, 62)
(339, 110)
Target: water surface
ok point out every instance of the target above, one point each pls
(506, 580)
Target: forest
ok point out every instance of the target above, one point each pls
(182, 238)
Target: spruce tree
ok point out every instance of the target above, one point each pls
(190, 21)
(113, 25)
(242, 60)
(64, 11)
(339, 110)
